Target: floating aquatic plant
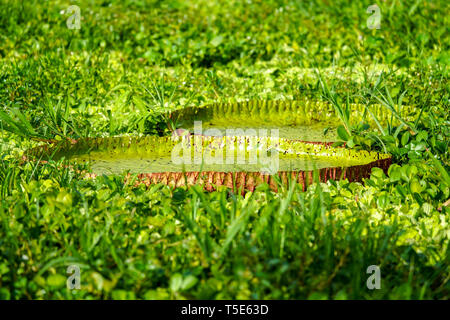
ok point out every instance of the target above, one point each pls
(292, 147)
(238, 162)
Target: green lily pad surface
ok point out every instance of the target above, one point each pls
(304, 120)
(260, 137)
(149, 165)
(201, 153)
(317, 132)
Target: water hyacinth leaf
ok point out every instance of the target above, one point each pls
(342, 133)
(176, 282)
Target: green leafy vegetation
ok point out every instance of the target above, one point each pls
(132, 62)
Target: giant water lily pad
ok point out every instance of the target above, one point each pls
(237, 145)
(240, 162)
(304, 120)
